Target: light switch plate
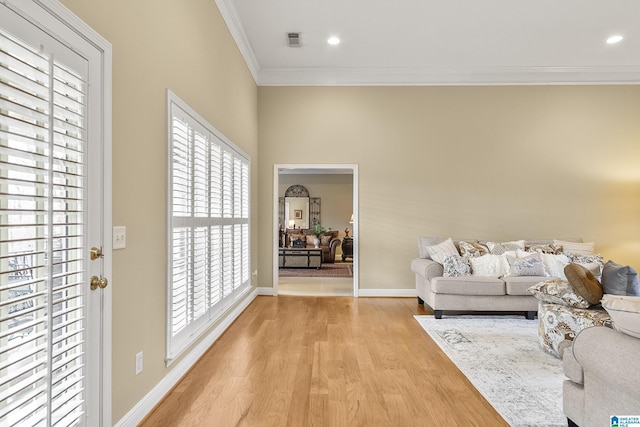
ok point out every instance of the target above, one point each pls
(119, 237)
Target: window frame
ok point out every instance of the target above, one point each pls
(231, 224)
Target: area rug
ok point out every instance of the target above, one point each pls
(501, 357)
(327, 270)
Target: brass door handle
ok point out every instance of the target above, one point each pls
(100, 282)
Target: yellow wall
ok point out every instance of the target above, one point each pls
(467, 162)
(184, 46)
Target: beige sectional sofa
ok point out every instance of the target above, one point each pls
(500, 290)
(601, 377)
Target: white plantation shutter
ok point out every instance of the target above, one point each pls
(208, 220)
(42, 237)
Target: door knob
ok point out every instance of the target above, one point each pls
(100, 282)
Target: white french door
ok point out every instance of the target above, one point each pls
(52, 332)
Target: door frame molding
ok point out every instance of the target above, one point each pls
(305, 166)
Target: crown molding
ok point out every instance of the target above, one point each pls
(431, 76)
(230, 16)
(462, 76)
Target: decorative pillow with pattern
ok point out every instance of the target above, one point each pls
(556, 291)
(575, 248)
(544, 249)
(456, 266)
(501, 248)
(471, 249)
(531, 265)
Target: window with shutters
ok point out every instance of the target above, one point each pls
(208, 215)
(42, 232)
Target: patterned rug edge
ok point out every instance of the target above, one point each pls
(512, 401)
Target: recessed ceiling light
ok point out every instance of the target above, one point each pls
(614, 39)
(333, 40)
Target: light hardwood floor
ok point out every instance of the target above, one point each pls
(325, 361)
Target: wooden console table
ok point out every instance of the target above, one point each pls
(299, 258)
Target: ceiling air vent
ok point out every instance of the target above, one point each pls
(294, 39)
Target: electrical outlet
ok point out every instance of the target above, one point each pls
(119, 237)
(138, 363)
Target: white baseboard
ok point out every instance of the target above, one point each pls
(404, 293)
(151, 399)
(265, 291)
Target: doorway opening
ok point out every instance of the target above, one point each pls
(333, 196)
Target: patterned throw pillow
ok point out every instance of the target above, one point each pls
(544, 249)
(471, 249)
(531, 265)
(501, 248)
(556, 291)
(456, 266)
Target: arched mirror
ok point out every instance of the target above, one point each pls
(297, 209)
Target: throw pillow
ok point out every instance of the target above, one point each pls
(440, 251)
(575, 248)
(543, 248)
(324, 240)
(501, 248)
(624, 312)
(456, 266)
(531, 265)
(425, 242)
(489, 265)
(471, 249)
(555, 264)
(620, 280)
(557, 291)
(584, 283)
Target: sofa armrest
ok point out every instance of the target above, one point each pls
(571, 368)
(609, 356)
(426, 268)
(334, 243)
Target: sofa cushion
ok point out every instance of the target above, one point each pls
(620, 280)
(584, 282)
(557, 291)
(470, 285)
(625, 313)
(519, 285)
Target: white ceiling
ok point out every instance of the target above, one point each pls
(437, 42)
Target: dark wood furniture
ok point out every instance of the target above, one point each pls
(299, 258)
(347, 248)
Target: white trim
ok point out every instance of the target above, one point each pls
(265, 291)
(401, 293)
(317, 168)
(230, 16)
(151, 399)
(419, 76)
(470, 76)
